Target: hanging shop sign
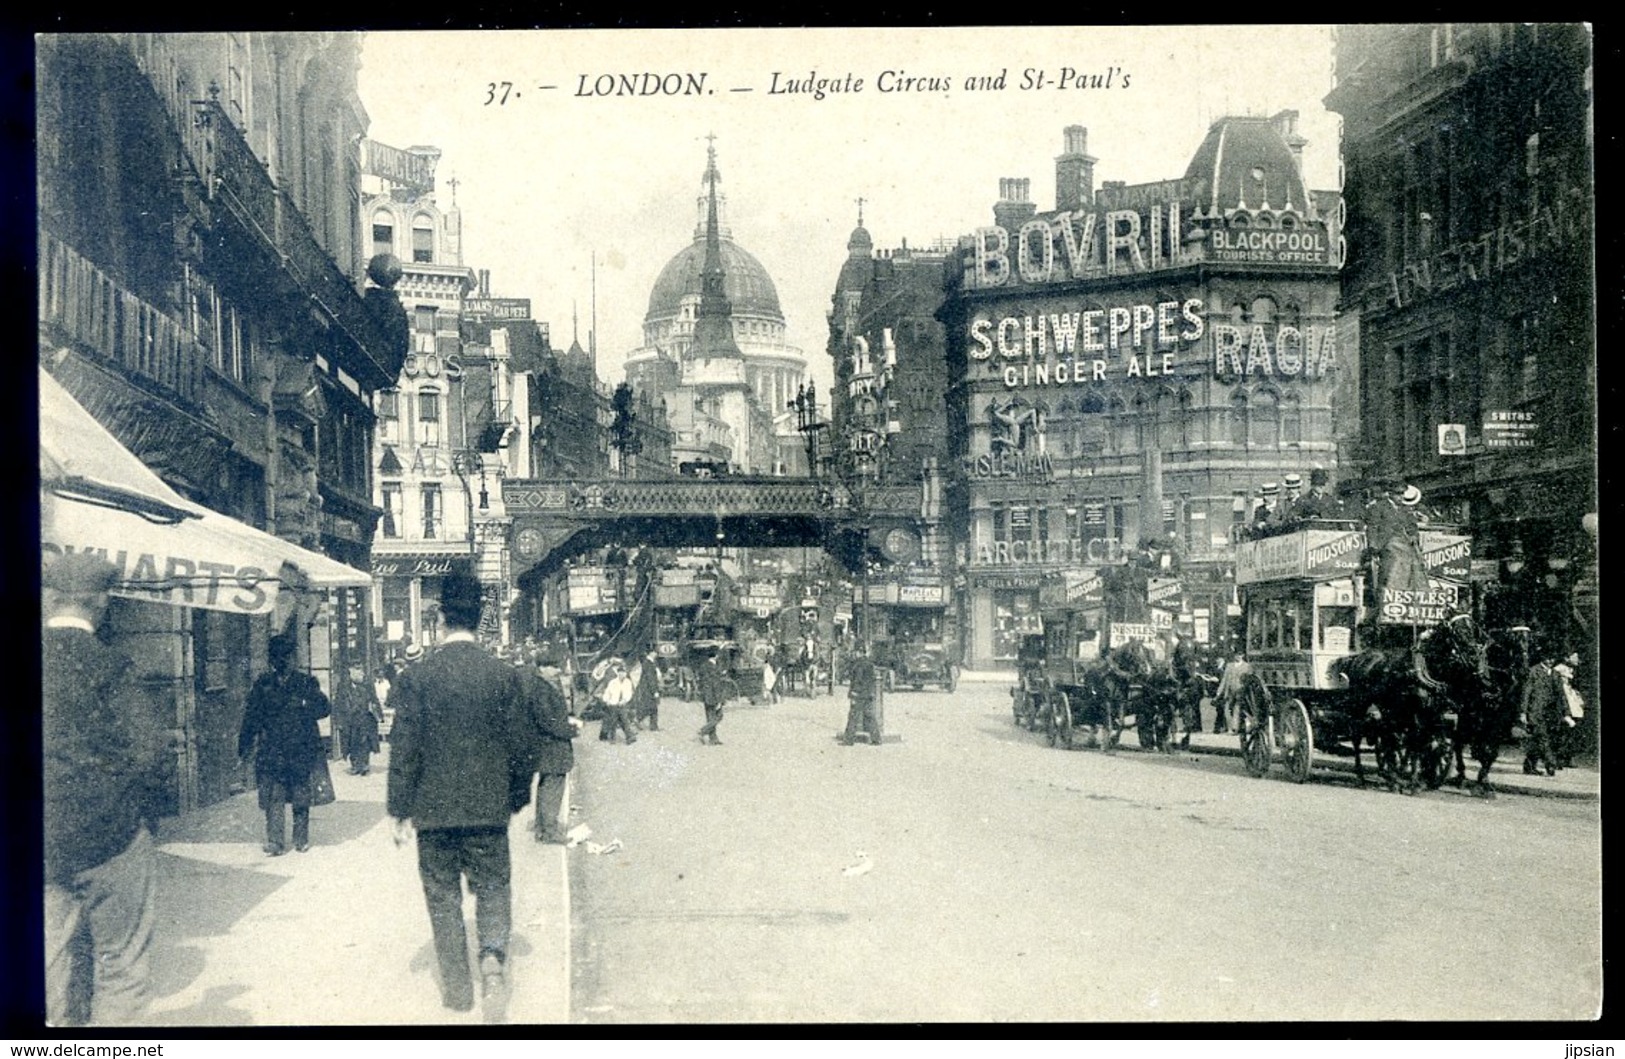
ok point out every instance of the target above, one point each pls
(400, 167)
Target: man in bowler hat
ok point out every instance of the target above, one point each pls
(461, 767)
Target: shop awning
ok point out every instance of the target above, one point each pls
(96, 496)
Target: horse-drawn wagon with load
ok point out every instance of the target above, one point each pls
(1088, 678)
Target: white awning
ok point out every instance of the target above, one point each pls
(96, 496)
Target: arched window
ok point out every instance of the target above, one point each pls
(1265, 220)
(1144, 427)
(1263, 310)
(1292, 419)
(1186, 419)
(1264, 420)
(383, 232)
(1120, 429)
(423, 238)
(1238, 418)
(1168, 422)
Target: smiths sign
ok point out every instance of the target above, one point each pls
(399, 167)
(496, 309)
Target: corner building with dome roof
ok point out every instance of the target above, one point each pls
(727, 394)
(1129, 368)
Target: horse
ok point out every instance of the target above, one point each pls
(1112, 683)
(1457, 657)
(1398, 714)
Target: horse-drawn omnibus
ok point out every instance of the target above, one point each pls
(1332, 667)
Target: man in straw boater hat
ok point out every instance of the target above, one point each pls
(101, 748)
(461, 768)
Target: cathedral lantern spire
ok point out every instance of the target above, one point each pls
(713, 324)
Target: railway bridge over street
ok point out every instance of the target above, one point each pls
(555, 519)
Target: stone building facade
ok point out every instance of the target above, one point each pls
(203, 294)
(1131, 367)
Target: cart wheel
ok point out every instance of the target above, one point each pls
(1063, 718)
(953, 680)
(1253, 720)
(1297, 741)
(917, 687)
(1052, 725)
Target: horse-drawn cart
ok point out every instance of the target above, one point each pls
(1328, 670)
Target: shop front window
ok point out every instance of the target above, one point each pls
(1015, 614)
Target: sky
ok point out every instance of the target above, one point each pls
(549, 178)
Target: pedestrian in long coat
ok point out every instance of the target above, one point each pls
(279, 727)
(645, 702)
(713, 693)
(358, 716)
(1543, 712)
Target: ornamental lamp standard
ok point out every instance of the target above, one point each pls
(868, 430)
(805, 405)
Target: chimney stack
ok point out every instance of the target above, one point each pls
(1286, 123)
(1015, 203)
(485, 283)
(1074, 171)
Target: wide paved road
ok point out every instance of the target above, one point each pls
(1012, 881)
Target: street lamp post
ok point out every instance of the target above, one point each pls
(805, 404)
(868, 429)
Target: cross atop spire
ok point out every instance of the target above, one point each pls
(861, 201)
(452, 183)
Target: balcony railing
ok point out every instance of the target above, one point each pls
(234, 177)
(87, 307)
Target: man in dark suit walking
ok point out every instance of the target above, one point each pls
(461, 767)
(553, 753)
(101, 745)
(713, 693)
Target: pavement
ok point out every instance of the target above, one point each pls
(339, 935)
(1582, 782)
